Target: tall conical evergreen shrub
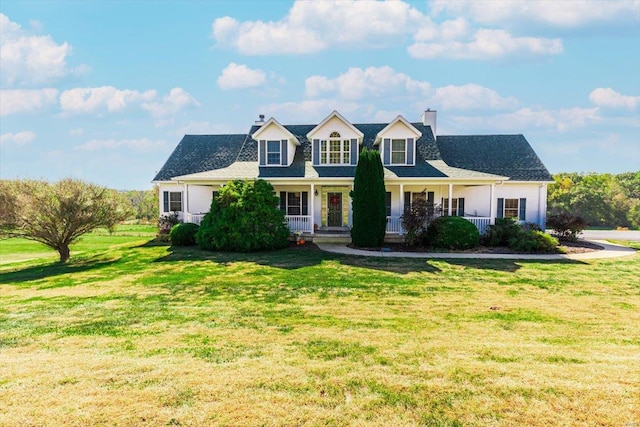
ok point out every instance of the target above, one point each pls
(369, 201)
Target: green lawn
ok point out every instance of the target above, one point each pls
(128, 333)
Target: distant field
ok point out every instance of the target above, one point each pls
(132, 334)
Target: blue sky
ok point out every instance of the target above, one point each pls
(103, 91)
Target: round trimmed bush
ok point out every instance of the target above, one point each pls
(534, 241)
(184, 234)
(452, 232)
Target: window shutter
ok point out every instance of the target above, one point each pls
(305, 203)
(283, 201)
(523, 210)
(354, 151)
(460, 206)
(284, 153)
(410, 145)
(263, 152)
(316, 151)
(407, 200)
(165, 199)
(500, 207)
(386, 146)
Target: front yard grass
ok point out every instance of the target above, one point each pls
(133, 334)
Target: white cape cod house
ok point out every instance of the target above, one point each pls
(311, 167)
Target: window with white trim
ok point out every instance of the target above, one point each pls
(398, 151)
(511, 208)
(172, 201)
(294, 203)
(335, 151)
(273, 152)
(454, 207)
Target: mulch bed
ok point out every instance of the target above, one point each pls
(564, 248)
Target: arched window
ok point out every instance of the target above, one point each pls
(335, 151)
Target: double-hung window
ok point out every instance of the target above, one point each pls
(512, 208)
(335, 151)
(273, 152)
(172, 201)
(398, 151)
(294, 203)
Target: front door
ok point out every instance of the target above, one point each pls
(334, 211)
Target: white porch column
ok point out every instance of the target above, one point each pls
(313, 207)
(449, 210)
(401, 206)
(492, 205)
(186, 200)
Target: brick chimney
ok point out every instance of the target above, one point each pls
(429, 119)
(260, 120)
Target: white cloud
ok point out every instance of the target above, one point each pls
(357, 83)
(142, 144)
(309, 111)
(27, 59)
(525, 118)
(607, 97)
(486, 44)
(469, 97)
(76, 132)
(175, 101)
(99, 99)
(14, 101)
(238, 76)
(311, 27)
(562, 14)
(19, 138)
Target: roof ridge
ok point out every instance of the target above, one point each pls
(241, 147)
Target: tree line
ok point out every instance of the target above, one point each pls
(601, 200)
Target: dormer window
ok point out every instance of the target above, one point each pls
(335, 151)
(273, 152)
(398, 151)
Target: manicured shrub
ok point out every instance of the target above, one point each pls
(566, 226)
(452, 232)
(184, 234)
(501, 232)
(244, 217)
(369, 201)
(533, 241)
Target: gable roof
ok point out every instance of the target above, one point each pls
(339, 116)
(402, 120)
(273, 122)
(484, 157)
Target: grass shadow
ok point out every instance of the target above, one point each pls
(47, 271)
(296, 257)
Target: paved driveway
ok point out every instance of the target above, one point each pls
(611, 234)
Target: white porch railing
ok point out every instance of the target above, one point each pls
(194, 218)
(481, 223)
(394, 225)
(299, 223)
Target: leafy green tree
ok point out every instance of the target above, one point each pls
(145, 203)
(369, 201)
(58, 214)
(600, 199)
(244, 217)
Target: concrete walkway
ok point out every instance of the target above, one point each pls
(610, 251)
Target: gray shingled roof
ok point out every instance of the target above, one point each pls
(488, 156)
(506, 155)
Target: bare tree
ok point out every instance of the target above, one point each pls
(57, 214)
